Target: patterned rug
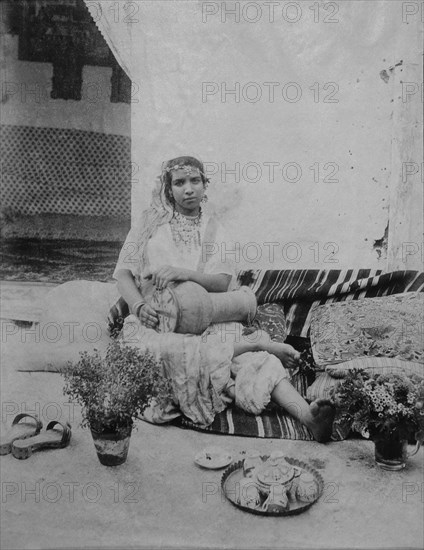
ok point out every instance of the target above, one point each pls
(271, 423)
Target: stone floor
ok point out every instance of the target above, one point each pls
(160, 499)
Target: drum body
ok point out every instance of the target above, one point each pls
(187, 308)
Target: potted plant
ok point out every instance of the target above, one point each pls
(386, 408)
(113, 391)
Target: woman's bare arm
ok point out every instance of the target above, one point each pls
(212, 282)
(131, 294)
(127, 287)
(215, 282)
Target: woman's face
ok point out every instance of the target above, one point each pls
(187, 189)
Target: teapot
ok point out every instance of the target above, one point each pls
(276, 472)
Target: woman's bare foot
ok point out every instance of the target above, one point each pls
(321, 420)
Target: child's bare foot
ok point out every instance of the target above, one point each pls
(322, 417)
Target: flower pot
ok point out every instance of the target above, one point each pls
(112, 447)
(392, 453)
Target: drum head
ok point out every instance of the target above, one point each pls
(165, 304)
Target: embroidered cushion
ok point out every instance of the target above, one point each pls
(390, 326)
(271, 319)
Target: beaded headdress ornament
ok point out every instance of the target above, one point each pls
(188, 169)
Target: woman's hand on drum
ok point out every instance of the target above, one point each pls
(148, 316)
(166, 274)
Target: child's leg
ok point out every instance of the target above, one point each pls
(317, 416)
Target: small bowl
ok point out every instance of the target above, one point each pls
(213, 458)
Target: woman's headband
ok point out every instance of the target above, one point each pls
(188, 169)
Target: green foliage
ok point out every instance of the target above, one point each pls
(382, 404)
(113, 390)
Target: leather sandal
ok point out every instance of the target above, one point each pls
(50, 439)
(19, 430)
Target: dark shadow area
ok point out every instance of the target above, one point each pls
(55, 260)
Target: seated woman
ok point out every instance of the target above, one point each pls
(209, 371)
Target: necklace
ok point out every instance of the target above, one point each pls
(186, 231)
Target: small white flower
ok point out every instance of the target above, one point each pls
(365, 433)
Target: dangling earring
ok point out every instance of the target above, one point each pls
(205, 186)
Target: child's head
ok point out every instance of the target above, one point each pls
(185, 163)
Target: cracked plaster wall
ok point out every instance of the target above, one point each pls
(324, 223)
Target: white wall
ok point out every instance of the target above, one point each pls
(178, 48)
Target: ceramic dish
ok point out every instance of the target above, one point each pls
(213, 458)
(233, 478)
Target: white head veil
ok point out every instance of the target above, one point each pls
(161, 210)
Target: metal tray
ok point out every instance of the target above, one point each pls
(234, 474)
